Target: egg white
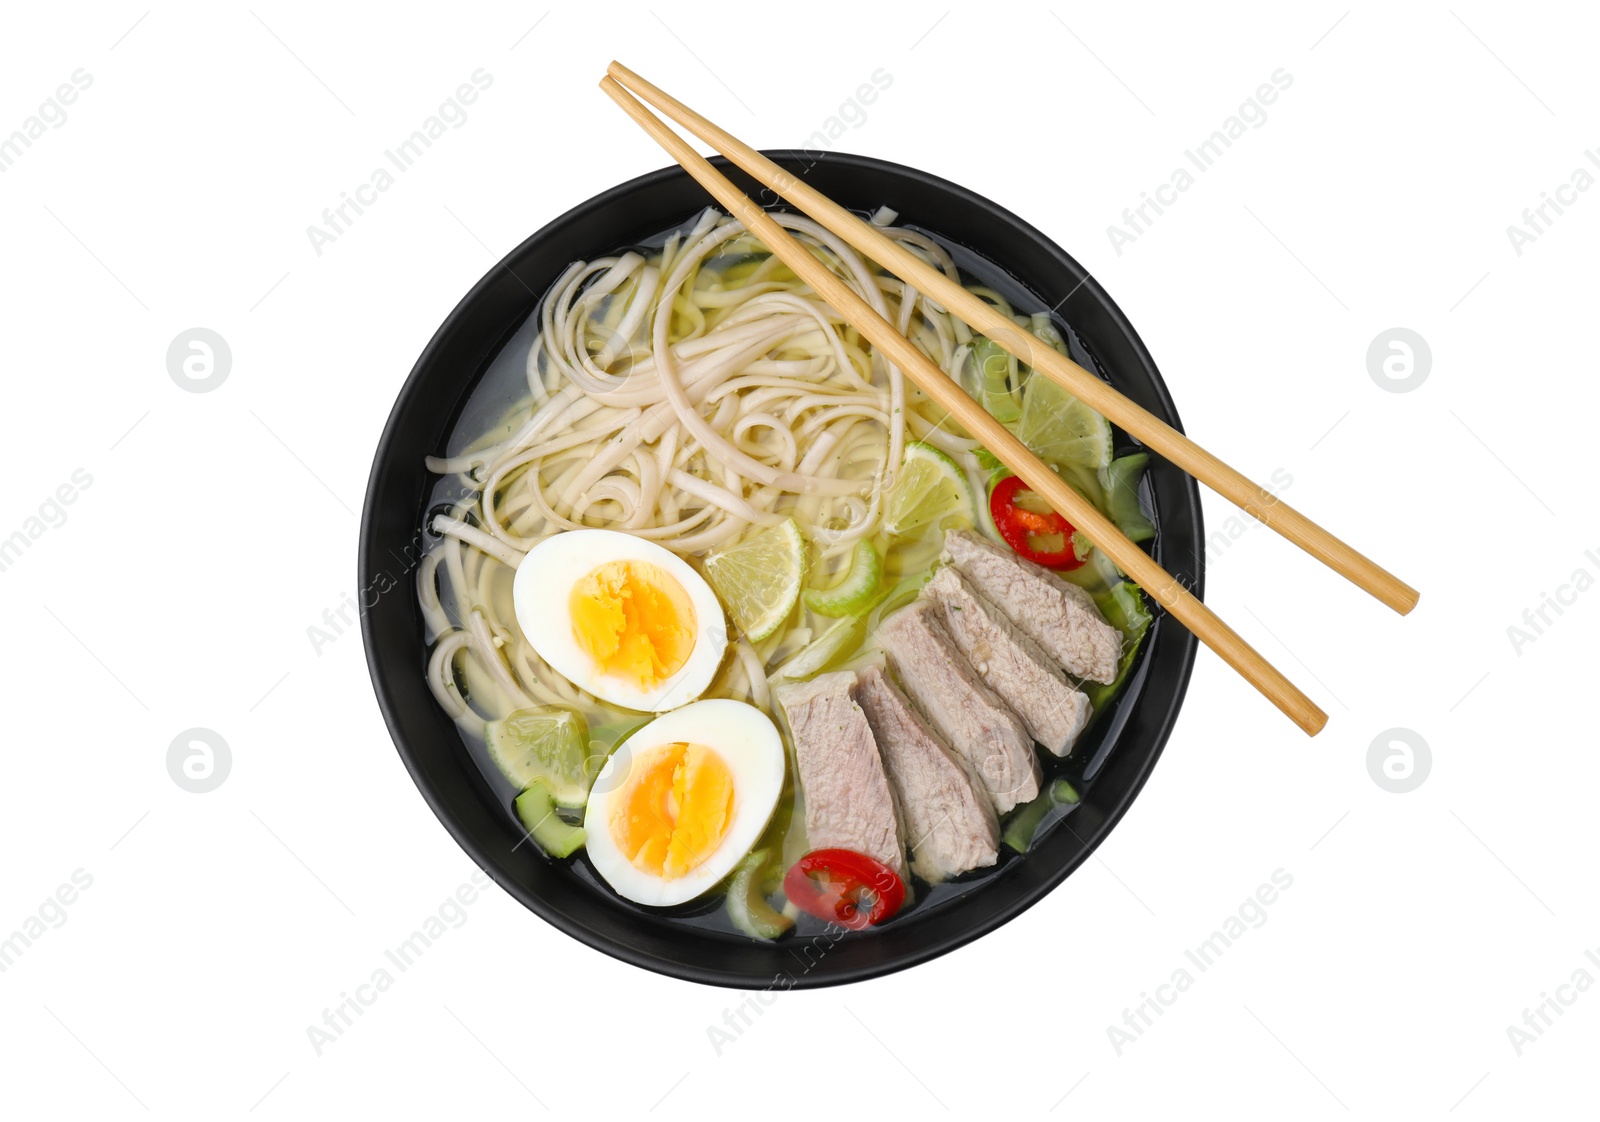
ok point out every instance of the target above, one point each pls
(540, 595)
(748, 743)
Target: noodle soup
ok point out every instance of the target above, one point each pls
(691, 395)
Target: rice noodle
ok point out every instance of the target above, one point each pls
(687, 395)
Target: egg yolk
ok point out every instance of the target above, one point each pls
(673, 809)
(634, 620)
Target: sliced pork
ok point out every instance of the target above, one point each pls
(1013, 665)
(972, 719)
(849, 804)
(949, 823)
(1060, 617)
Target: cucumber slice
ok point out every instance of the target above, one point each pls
(747, 903)
(548, 745)
(856, 591)
(537, 812)
(1121, 483)
(1025, 823)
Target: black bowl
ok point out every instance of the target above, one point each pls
(428, 742)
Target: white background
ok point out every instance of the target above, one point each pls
(220, 526)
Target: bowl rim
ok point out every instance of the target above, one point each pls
(1163, 626)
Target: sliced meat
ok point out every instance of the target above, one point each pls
(1053, 710)
(848, 801)
(950, 825)
(1060, 617)
(973, 721)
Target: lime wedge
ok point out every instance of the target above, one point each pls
(931, 491)
(548, 745)
(855, 592)
(759, 578)
(1062, 430)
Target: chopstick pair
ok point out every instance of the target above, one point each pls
(982, 318)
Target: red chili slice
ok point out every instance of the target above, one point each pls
(844, 887)
(1021, 528)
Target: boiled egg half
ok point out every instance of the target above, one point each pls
(683, 799)
(621, 617)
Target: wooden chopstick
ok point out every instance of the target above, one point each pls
(986, 320)
(1082, 514)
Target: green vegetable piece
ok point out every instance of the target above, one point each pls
(997, 380)
(1025, 822)
(1121, 483)
(537, 812)
(897, 597)
(988, 461)
(1085, 481)
(1123, 607)
(825, 652)
(747, 902)
(548, 745)
(1095, 576)
(853, 594)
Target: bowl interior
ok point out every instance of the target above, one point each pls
(392, 542)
